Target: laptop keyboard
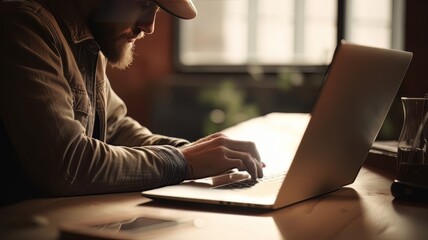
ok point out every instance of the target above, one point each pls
(247, 183)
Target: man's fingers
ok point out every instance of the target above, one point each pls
(246, 161)
(220, 139)
(242, 146)
(216, 153)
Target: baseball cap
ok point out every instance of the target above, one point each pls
(184, 9)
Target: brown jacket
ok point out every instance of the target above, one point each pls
(63, 130)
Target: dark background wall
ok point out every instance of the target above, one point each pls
(416, 81)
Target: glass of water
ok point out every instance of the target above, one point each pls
(412, 143)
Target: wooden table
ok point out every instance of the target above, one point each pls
(362, 210)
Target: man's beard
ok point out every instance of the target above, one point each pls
(120, 54)
(118, 50)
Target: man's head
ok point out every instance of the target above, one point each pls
(117, 24)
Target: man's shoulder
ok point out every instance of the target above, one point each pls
(27, 23)
(13, 6)
(24, 10)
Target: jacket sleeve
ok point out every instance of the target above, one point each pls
(36, 108)
(123, 130)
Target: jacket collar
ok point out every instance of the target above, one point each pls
(68, 12)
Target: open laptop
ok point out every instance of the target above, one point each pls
(358, 91)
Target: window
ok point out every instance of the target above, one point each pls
(377, 23)
(284, 32)
(278, 51)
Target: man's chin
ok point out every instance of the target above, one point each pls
(123, 56)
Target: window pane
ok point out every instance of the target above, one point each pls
(320, 31)
(369, 22)
(218, 35)
(274, 32)
(260, 32)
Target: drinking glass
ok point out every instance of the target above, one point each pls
(412, 143)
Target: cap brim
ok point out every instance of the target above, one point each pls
(184, 9)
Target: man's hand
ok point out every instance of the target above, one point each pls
(216, 153)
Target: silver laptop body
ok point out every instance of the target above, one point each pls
(359, 88)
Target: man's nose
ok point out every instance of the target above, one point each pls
(146, 22)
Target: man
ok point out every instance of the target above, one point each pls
(63, 130)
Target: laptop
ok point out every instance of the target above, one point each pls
(358, 90)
